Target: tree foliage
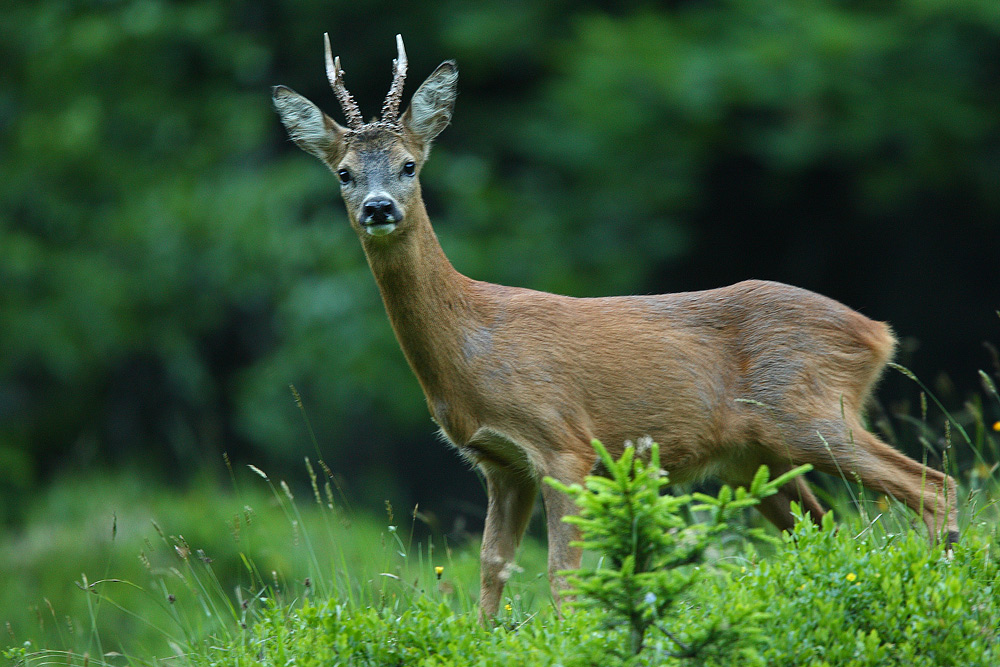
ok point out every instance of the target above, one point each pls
(653, 550)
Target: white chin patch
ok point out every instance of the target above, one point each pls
(380, 230)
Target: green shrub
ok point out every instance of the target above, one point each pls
(652, 548)
(834, 599)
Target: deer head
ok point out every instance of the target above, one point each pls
(377, 162)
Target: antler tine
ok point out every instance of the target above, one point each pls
(336, 77)
(390, 108)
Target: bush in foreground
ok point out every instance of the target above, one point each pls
(833, 599)
(653, 550)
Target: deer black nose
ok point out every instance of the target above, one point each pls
(379, 211)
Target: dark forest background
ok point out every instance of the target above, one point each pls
(170, 263)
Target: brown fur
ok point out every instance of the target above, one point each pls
(521, 381)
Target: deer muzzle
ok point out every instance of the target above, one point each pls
(379, 216)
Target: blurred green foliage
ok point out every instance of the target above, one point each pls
(170, 263)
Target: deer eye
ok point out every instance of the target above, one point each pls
(344, 176)
(410, 168)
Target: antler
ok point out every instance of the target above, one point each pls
(336, 77)
(390, 108)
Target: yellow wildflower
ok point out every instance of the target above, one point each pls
(996, 426)
(507, 607)
(438, 570)
(851, 576)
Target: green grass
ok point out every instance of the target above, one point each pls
(114, 570)
(114, 563)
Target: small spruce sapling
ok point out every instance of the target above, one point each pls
(648, 543)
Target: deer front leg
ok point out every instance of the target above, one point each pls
(511, 497)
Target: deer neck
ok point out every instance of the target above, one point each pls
(429, 303)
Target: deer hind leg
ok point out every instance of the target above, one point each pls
(568, 468)
(924, 490)
(855, 453)
(778, 508)
(511, 497)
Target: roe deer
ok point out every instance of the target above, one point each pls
(521, 381)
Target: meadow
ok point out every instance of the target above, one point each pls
(255, 570)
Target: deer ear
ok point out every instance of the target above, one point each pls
(311, 129)
(432, 104)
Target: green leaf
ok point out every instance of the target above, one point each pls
(783, 479)
(759, 480)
